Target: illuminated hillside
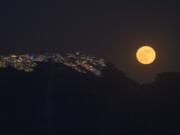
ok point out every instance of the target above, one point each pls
(77, 61)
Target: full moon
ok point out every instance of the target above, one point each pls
(146, 55)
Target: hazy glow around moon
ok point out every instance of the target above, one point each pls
(146, 55)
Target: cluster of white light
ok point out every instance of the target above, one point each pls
(77, 61)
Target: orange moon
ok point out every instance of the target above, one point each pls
(146, 55)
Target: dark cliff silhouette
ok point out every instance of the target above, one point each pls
(57, 100)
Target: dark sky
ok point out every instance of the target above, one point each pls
(109, 29)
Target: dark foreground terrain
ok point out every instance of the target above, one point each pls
(57, 100)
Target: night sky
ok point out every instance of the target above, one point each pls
(112, 30)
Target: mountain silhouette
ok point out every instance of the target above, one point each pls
(55, 99)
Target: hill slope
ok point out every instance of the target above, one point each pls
(70, 98)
